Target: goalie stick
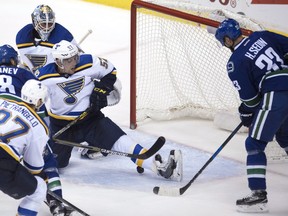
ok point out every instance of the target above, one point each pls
(67, 203)
(82, 39)
(173, 191)
(151, 151)
(85, 36)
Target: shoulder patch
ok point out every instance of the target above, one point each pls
(230, 67)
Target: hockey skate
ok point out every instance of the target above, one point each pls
(254, 203)
(172, 169)
(59, 209)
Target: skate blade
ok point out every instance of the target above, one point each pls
(257, 208)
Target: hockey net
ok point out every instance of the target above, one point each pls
(177, 67)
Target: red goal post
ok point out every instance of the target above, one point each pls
(150, 61)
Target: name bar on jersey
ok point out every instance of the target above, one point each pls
(255, 48)
(22, 110)
(8, 70)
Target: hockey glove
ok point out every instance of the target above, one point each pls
(245, 116)
(98, 98)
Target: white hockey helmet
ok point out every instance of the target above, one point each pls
(34, 92)
(66, 56)
(64, 50)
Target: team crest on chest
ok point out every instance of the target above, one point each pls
(71, 88)
(37, 60)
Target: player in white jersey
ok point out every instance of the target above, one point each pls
(12, 79)
(77, 82)
(35, 40)
(23, 137)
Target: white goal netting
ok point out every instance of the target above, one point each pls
(180, 69)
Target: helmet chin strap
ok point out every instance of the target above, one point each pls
(61, 66)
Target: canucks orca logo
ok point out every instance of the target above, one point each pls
(71, 88)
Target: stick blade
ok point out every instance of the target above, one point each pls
(155, 148)
(165, 191)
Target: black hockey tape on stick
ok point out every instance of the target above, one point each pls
(151, 151)
(173, 191)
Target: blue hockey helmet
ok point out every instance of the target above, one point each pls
(228, 28)
(7, 53)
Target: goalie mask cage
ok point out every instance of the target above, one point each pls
(177, 67)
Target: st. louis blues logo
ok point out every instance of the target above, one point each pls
(71, 88)
(37, 60)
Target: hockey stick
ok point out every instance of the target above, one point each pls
(80, 117)
(85, 36)
(151, 151)
(67, 203)
(82, 39)
(165, 191)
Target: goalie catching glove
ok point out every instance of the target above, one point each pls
(98, 98)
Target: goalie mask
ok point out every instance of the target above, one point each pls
(35, 93)
(66, 56)
(43, 20)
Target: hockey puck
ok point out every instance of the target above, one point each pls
(140, 169)
(156, 190)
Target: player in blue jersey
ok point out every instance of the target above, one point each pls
(34, 41)
(258, 71)
(78, 82)
(12, 79)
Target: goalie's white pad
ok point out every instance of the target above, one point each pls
(115, 96)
